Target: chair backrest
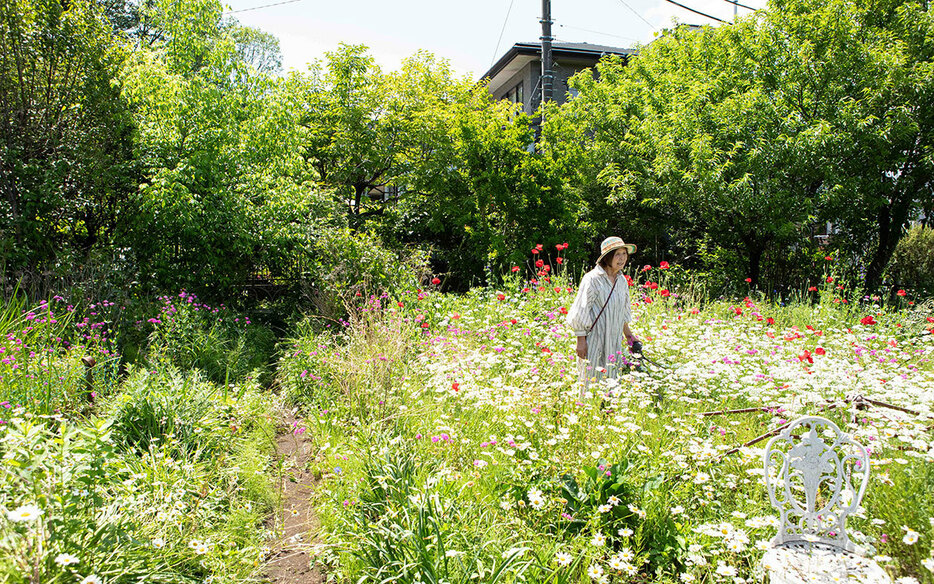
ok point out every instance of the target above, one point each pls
(814, 484)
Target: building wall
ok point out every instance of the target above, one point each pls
(531, 75)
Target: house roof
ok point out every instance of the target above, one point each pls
(522, 53)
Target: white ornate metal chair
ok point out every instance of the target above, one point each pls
(815, 484)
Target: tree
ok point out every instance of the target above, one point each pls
(754, 130)
(685, 126)
(862, 71)
(197, 106)
(66, 166)
(353, 137)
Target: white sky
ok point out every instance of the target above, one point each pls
(465, 33)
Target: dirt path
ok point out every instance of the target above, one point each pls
(290, 561)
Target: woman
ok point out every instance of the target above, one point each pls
(600, 315)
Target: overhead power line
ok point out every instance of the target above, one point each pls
(263, 6)
(598, 32)
(506, 20)
(633, 10)
(695, 11)
(740, 4)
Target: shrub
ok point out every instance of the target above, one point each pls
(912, 264)
(346, 264)
(167, 404)
(223, 345)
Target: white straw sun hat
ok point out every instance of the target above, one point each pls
(612, 244)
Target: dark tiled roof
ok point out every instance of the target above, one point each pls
(558, 50)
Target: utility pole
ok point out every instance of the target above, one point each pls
(548, 75)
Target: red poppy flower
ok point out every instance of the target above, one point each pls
(738, 310)
(630, 281)
(901, 293)
(558, 289)
(456, 386)
(539, 247)
(770, 320)
(829, 279)
(524, 290)
(930, 319)
(748, 280)
(435, 281)
(819, 351)
(867, 320)
(812, 289)
(512, 320)
(455, 316)
(806, 357)
(663, 265)
(646, 268)
(563, 310)
(535, 251)
(539, 263)
(515, 269)
(425, 325)
(400, 304)
(501, 297)
(559, 260)
(664, 292)
(546, 269)
(828, 258)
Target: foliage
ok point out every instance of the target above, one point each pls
(411, 524)
(66, 160)
(83, 507)
(223, 345)
(345, 266)
(912, 264)
(739, 137)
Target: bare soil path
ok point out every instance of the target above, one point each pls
(290, 560)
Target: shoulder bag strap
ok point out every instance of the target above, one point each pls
(610, 295)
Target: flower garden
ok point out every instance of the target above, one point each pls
(449, 437)
(455, 446)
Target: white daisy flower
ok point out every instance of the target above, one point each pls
(66, 560)
(24, 513)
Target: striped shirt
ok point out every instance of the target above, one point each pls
(605, 341)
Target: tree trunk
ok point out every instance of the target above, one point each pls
(890, 221)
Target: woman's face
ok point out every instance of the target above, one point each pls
(620, 257)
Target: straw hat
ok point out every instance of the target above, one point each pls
(612, 244)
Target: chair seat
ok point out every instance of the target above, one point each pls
(807, 563)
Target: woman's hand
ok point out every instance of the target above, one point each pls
(582, 347)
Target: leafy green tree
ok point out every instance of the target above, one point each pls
(685, 126)
(753, 132)
(355, 136)
(197, 102)
(861, 73)
(66, 166)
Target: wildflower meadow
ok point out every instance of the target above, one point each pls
(447, 436)
(454, 443)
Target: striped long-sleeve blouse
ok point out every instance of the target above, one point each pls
(605, 342)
